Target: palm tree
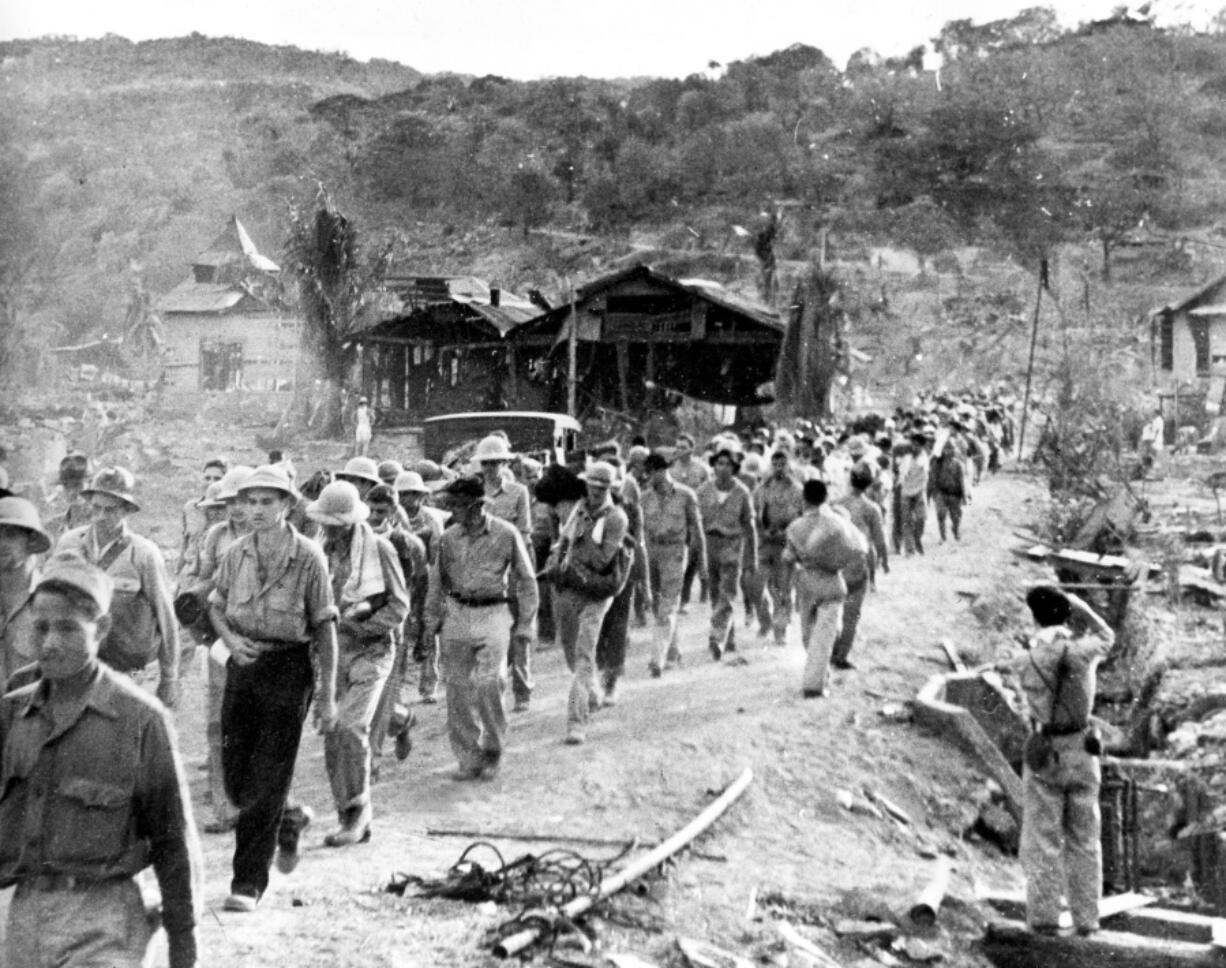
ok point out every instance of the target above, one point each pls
(323, 254)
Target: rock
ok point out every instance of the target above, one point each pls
(845, 799)
(996, 825)
(919, 950)
(865, 929)
(859, 904)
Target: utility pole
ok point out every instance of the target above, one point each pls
(572, 355)
(1034, 337)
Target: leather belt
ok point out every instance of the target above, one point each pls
(1053, 729)
(269, 646)
(63, 882)
(477, 602)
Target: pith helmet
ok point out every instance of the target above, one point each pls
(362, 469)
(338, 503)
(17, 512)
(272, 477)
(411, 481)
(492, 447)
(232, 481)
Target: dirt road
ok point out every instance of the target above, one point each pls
(652, 763)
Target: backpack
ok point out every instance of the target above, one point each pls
(600, 584)
(950, 474)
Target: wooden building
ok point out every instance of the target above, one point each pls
(223, 329)
(440, 346)
(641, 334)
(1188, 345)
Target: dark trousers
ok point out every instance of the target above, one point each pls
(545, 631)
(262, 713)
(614, 636)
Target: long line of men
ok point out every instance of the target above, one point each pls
(357, 588)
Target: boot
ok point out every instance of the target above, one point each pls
(354, 828)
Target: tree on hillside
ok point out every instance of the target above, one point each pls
(335, 280)
(814, 349)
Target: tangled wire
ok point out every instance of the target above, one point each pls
(540, 886)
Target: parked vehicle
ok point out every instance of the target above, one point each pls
(546, 436)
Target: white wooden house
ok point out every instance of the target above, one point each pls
(223, 327)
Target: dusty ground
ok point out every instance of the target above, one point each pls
(649, 766)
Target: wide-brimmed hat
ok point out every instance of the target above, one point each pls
(655, 461)
(463, 491)
(116, 482)
(411, 482)
(17, 512)
(389, 470)
(492, 447)
(361, 469)
(272, 477)
(601, 473)
(734, 458)
(232, 480)
(212, 497)
(71, 569)
(338, 503)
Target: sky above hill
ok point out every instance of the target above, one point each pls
(545, 38)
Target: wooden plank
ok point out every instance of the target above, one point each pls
(1012, 945)
(1013, 906)
(951, 653)
(1119, 903)
(1163, 923)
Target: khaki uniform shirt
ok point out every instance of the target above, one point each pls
(511, 503)
(585, 543)
(97, 792)
(671, 518)
(142, 609)
(491, 563)
(777, 503)
(285, 604)
(731, 517)
(16, 638)
(1037, 670)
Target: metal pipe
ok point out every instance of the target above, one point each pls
(610, 886)
(923, 912)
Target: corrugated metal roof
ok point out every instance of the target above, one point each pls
(406, 293)
(722, 296)
(199, 297)
(503, 318)
(235, 245)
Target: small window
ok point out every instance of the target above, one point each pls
(1200, 340)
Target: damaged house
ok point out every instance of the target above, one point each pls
(1188, 347)
(440, 346)
(224, 328)
(641, 335)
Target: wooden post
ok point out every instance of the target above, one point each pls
(623, 374)
(1034, 336)
(572, 356)
(513, 382)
